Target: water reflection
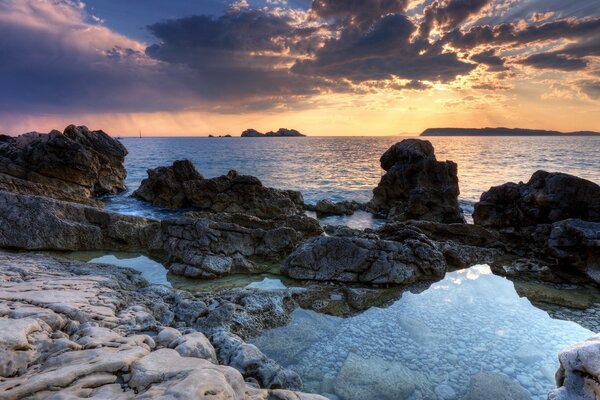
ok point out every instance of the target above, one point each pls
(470, 325)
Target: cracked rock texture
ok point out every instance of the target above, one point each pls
(70, 330)
(74, 165)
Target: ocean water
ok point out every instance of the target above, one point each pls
(347, 168)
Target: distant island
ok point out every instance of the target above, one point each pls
(213, 136)
(282, 132)
(501, 132)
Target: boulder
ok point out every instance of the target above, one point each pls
(164, 186)
(576, 243)
(548, 197)
(180, 185)
(195, 345)
(416, 185)
(372, 261)
(74, 165)
(327, 207)
(579, 372)
(497, 386)
(40, 223)
(252, 363)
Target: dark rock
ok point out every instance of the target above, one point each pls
(328, 207)
(252, 133)
(180, 185)
(546, 198)
(347, 259)
(164, 186)
(73, 166)
(416, 185)
(281, 132)
(40, 223)
(244, 194)
(576, 243)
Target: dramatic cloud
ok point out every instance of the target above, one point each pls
(258, 55)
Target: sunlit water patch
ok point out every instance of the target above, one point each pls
(153, 271)
(470, 325)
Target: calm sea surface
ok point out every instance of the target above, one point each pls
(347, 168)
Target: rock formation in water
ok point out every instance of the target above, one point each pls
(327, 207)
(281, 132)
(546, 198)
(416, 185)
(362, 260)
(578, 377)
(164, 186)
(95, 331)
(180, 185)
(74, 165)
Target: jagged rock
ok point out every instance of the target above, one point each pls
(416, 185)
(281, 132)
(328, 207)
(207, 249)
(164, 186)
(180, 185)
(576, 243)
(351, 259)
(252, 363)
(70, 330)
(40, 223)
(73, 166)
(546, 198)
(491, 385)
(578, 376)
(252, 133)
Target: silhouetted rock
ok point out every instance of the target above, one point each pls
(546, 198)
(73, 166)
(328, 207)
(416, 185)
(164, 186)
(281, 132)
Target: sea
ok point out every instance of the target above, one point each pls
(347, 168)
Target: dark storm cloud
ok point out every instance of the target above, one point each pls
(555, 61)
(511, 33)
(360, 10)
(383, 51)
(489, 59)
(449, 14)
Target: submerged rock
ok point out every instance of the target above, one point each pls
(416, 185)
(327, 207)
(545, 199)
(352, 259)
(497, 386)
(74, 165)
(579, 374)
(180, 185)
(376, 378)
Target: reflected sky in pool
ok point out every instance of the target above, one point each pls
(470, 322)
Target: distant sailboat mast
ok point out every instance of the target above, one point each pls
(140, 133)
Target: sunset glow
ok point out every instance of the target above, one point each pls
(324, 67)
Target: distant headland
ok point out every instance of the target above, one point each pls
(282, 132)
(501, 132)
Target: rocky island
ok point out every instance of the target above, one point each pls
(70, 329)
(501, 132)
(281, 132)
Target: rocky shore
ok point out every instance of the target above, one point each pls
(69, 329)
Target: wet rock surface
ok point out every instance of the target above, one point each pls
(369, 261)
(180, 185)
(416, 185)
(545, 199)
(96, 331)
(74, 165)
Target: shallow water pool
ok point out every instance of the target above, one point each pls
(469, 336)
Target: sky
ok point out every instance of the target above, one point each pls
(324, 67)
